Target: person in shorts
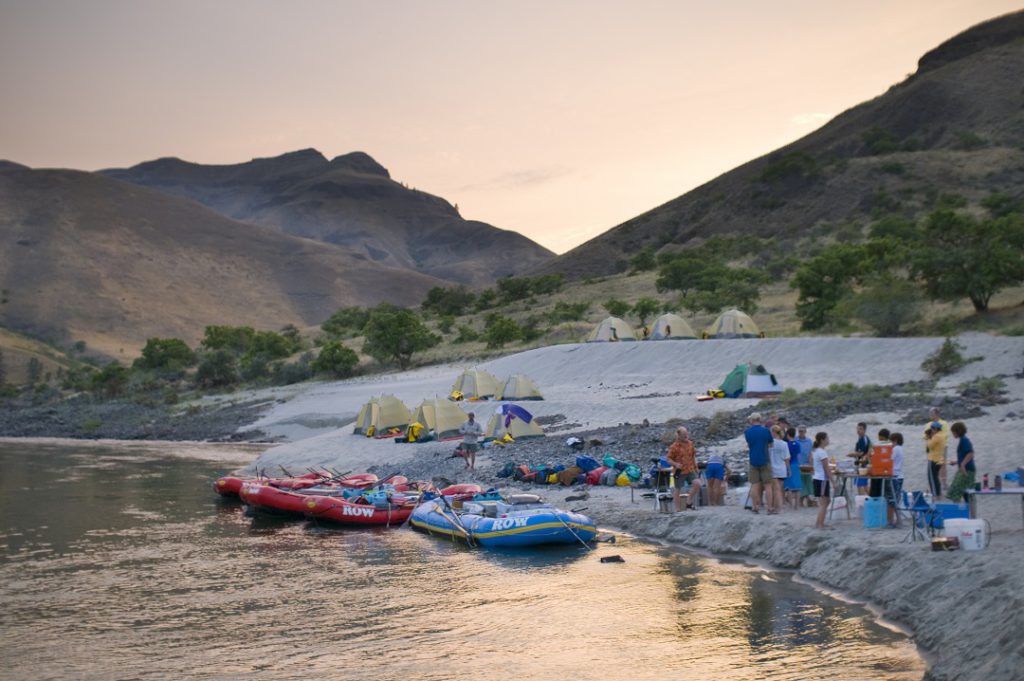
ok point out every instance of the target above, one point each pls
(682, 456)
(892, 494)
(470, 431)
(716, 472)
(804, 461)
(759, 444)
(822, 477)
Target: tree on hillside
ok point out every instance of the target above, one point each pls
(965, 257)
(512, 289)
(336, 360)
(234, 338)
(643, 260)
(616, 307)
(708, 283)
(547, 283)
(824, 281)
(499, 330)
(886, 303)
(109, 381)
(169, 354)
(396, 334)
(217, 369)
(450, 301)
(346, 321)
(645, 308)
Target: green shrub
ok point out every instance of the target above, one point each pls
(568, 312)
(500, 330)
(948, 359)
(467, 334)
(335, 360)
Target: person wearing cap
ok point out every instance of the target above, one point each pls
(804, 461)
(935, 417)
(935, 445)
(759, 445)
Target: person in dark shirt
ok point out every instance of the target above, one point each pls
(964, 479)
(861, 450)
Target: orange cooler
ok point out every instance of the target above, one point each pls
(881, 459)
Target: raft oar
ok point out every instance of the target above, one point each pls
(285, 471)
(573, 532)
(455, 519)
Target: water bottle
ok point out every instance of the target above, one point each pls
(999, 483)
(984, 481)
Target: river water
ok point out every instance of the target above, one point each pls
(119, 562)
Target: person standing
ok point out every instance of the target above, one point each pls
(806, 445)
(943, 431)
(683, 457)
(470, 431)
(780, 469)
(822, 477)
(964, 478)
(860, 454)
(716, 473)
(935, 446)
(896, 486)
(792, 483)
(759, 443)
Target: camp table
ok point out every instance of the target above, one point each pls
(845, 487)
(973, 494)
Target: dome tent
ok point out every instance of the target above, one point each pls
(671, 327)
(612, 329)
(380, 414)
(475, 384)
(441, 416)
(733, 324)
(520, 387)
(511, 420)
(750, 380)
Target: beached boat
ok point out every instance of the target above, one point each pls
(261, 495)
(518, 520)
(231, 486)
(389, 509)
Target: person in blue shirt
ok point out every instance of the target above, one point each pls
(759, 443)
(964, 462)
(792, 483)
(806, 445)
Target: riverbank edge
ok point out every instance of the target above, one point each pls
(972, 638)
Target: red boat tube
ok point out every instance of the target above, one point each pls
(337, 510)
(462, 492)
(266, 497)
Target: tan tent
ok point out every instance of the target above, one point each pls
(442, 417)
(520, 387)
(733, 324)
(380, 414)
(476, 384)
(517, 428)
(671, 327)
(612, 329)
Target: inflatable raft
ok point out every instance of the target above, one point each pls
(231, 486)
(519, 520)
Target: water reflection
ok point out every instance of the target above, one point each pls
(146, 574)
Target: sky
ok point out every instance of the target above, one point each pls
(559, 119)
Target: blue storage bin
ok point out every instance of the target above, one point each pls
(874, 513)
(948, 511)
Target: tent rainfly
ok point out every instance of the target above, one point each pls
(476, 384)
(612, 329)
(520, 387)
(512, 420)
(671, 327)
(441, 416)
(750, 380)
(733, 324)
(380, 414)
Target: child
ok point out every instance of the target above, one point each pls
(896, 486)
(821, 477)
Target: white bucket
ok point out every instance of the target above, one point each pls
(974, 535)
(859, 501)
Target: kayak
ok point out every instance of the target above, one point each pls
(518, 520)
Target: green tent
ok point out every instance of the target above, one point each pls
(750, 380)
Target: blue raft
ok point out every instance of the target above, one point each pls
(519, 520)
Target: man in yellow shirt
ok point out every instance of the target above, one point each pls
(933, 415)
(935, 444)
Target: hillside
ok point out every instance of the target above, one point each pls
(87, 257)
(955, 127)
(351, 202)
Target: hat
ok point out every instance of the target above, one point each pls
(936, 425)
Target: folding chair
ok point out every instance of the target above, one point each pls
(922, 516)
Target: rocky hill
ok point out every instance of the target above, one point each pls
(88, 257)
(351, 202)
(952, 131)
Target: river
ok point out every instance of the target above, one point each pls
(120, 562)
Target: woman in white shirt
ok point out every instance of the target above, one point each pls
(821, 478)
(780, 469)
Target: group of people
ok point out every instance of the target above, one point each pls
(787, 469)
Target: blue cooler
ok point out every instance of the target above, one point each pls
(874, 513)
(948, 512)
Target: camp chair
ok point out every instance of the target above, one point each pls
(922, 515)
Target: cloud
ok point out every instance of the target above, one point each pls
(810, 119)
(519, 179)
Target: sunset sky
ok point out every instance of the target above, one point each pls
(557, 119)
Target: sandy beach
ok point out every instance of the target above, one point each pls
(966, 609)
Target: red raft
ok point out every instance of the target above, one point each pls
(231, 486)
(395, 511)
(270, 497)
